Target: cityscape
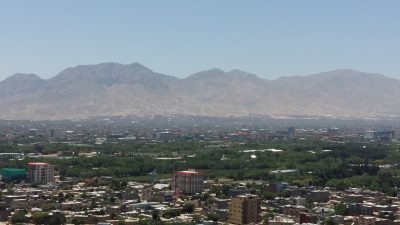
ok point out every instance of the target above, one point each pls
(108, 171)
(199, 112)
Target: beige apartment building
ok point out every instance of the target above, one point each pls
(244, 209)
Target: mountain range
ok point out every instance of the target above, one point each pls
(112, 89)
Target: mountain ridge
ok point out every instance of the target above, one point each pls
(109, 89)
(211, 70)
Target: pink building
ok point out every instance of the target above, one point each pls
(187, 182)
(40, 173)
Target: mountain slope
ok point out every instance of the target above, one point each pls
(111, 89)
(20, 84)
(341, 92)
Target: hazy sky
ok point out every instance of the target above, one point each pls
(268, 38)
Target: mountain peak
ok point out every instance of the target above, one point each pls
(22, 77)
(215, 70)
(241, 74)
(106, 75)
(218, 73)
(109, 71)
(108, 66)
(346, 74)
(20, 83)
(205, 74)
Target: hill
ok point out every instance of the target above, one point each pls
(111, 89)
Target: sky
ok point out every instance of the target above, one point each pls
(182, 37)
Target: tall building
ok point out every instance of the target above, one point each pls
(244, 209)
(40, 173)
(187, 182)
(379, 135)
(291, 132)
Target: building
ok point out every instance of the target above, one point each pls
(244, 209)
(233, 192)
(291, 132)
(320, 195)
(366, 220)
(280, 220)
(333, 131)
(40, 173)
(165, 136)
(276, 187)
(352, 198)
(187, 182)
(379, 135)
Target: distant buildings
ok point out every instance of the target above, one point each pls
(333, 131)
(165, 136)
(245, 209)
(291, 132)
(276, 187)
(379, 135)
(320, 195)
(40, 173)
(187, 182)
(242, 190)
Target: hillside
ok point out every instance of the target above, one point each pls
(111, 89)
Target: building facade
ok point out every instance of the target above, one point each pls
(40, 173)
(187, 182)
(244, 209)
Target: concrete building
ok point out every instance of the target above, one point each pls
(276, 187)
(333, 131)
(242, 190)
(40, 173)
(165, 136)
(280, 220)
(291, 132)
(379, 135)
(320, 195)
(244, 209)
(366, 220)
(352, 198)
(187, 182)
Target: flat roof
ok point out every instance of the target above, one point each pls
(37, 164)
(187, 172)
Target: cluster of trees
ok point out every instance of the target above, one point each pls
(345, 165)
(45, 218)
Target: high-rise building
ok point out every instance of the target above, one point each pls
(244, 209)
(291, 132)
(187, 182)
(40, 173)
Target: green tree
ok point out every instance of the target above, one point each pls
(329, 221)
(40, 217)
(77, 221)
(188, 208)
(155, 215)
(340, 209)
(19, 217)
(213, 217)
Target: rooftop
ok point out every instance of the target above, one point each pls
(188, 172)
(37, 164)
